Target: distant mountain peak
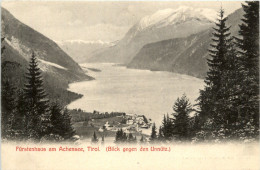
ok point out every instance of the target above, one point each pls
(161, 25)
(170, 16)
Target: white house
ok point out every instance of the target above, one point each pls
(130, 122)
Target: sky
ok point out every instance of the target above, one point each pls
(91, 21)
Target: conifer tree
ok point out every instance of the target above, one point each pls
(131, 138)
(160, 135)
(248, 43)
(120, 136)
(8, 99)
(167, 128)
(210, 98)
(56, 119)
(36, 97)
(21, 106)
(7, 107)
(34, 90)
(182, 108)
(103, 139)
(229, 89)
(68, 130)
(94, 138)
(142, 140)
(153, 137)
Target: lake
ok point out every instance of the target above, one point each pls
(120, 89)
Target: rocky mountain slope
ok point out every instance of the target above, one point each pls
(57, 67)
(162, 25)
(180, 55)
(186, 55)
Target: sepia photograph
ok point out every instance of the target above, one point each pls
(129, 85)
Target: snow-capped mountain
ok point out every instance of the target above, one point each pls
(166, 17)
(100, 42)
(81, 50)
(162, 25)
(186, 55)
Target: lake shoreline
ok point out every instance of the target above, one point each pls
(145, 89)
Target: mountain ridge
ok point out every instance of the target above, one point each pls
(81, 50)
(58, 69)
(182, 55)
(134, 40)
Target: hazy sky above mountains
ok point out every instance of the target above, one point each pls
(106, 21)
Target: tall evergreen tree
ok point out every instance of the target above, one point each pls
(210, 98)
(124, 137)
(182, 108)
(8, 98)
(7, 107)
(120, 136)
(36, 97)
(153, 136)
(167, 128)
(160, 135)
(68, 129)
(61, 122)
(21, 112)
(94, 138)
(142, 140)
(34, 90)
(56, 119)
(229, 88)
(103, 139)
(248, 43)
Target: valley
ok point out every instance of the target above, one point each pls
(159, 59)
(130, 85)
